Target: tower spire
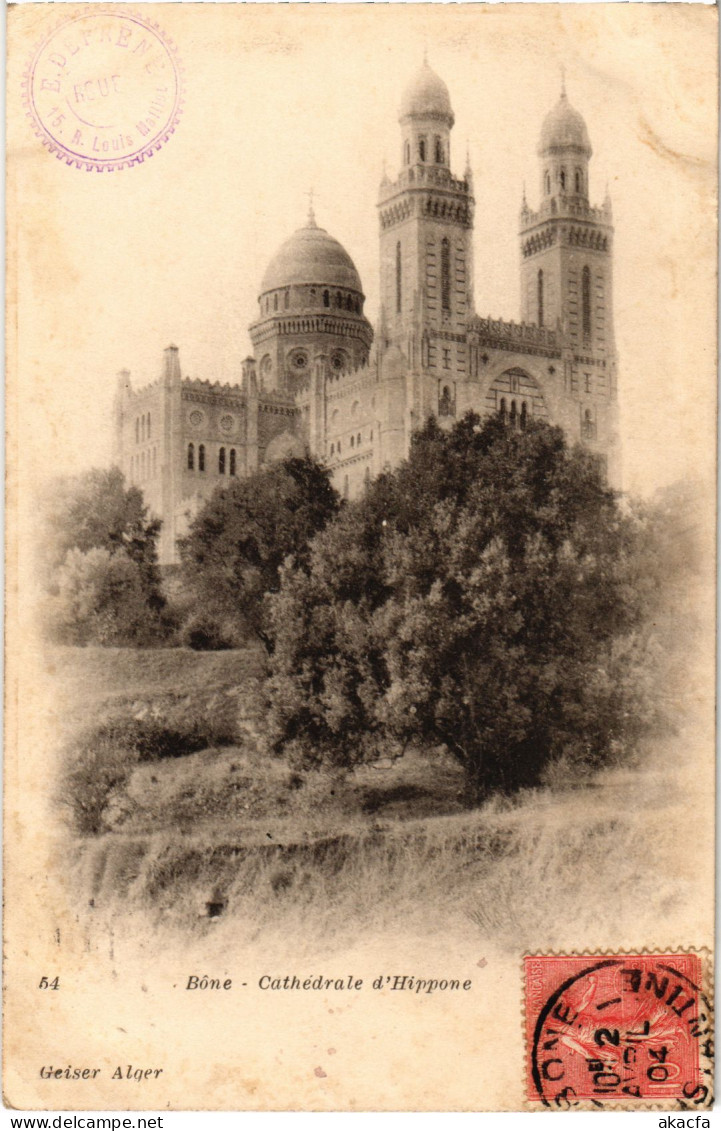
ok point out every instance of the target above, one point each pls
(311, 212)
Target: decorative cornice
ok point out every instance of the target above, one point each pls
(427, 204)
(447, 336)
(517, 337)
(215, 397)
(290, 325)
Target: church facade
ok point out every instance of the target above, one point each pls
(321, 380)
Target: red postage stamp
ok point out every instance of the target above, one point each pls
(610, 1028)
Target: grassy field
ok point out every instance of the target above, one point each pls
(200, 832)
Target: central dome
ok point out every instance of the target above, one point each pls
(311, 256)
(564, 128)
(426, 96)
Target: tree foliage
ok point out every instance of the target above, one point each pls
(96, 510)
(237, 543)
(481, 597)
(98, 598)
(100, 561)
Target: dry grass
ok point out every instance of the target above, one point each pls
(222, 841)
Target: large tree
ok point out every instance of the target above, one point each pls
(480, 597)
(237, 543)
(99, 553)
(95, 510)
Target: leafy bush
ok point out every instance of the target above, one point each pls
(205, 633)
(100, 760)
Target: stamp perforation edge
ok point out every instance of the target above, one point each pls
(706, 989)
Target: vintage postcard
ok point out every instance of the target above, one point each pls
(360, 560)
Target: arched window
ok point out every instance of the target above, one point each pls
(352, 441)
(524, 416)
(540, 298)
(514, 414)
(275, 302)
(287, 299)
(399, 277)
(326, 298)
(191, 457)
(502, 411)
(439, 151)
(408, 153)
(332, 449)
(201, 457)
(562, 179)
(371, 435)
(148, 425)
(445, 402)
(579, 181)
(349, 303)
(588, 425)
(422, 149)
(339, 447)
(338, 299)
(586, 302)
(358, 439)
(446, 273)
(221, 462)
(547, 181)
(233, 469)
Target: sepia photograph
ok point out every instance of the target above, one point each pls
(360, 599)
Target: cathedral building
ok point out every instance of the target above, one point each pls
(322, 381)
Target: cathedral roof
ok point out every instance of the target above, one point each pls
(311, 256)
(564, 128)
(426, 96)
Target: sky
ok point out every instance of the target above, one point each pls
(106, 269)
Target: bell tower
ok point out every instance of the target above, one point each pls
(567, 245)
(426, 222)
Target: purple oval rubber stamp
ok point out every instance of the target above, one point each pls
(104, 89)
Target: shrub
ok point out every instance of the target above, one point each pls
(100, 760)
(205, 633)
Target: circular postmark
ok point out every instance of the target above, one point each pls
(104, 89)
(619, 1028)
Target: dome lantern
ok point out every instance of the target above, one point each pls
(564, 148)
(564, 128)
(426, 118)
(426, 96)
